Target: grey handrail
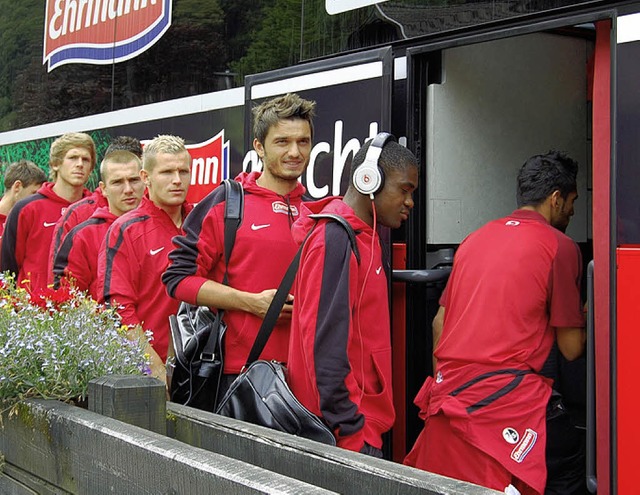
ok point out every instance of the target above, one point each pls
(421, 276)
(591, 479)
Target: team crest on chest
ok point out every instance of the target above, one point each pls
(510, 435)
(282, 207)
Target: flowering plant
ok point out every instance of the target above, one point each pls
(53, 342)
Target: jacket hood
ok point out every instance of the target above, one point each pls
(104, 212)
(332, 204)
(248, 181)
(47, 191)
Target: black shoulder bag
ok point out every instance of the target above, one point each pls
(260, 394)
(194, 370)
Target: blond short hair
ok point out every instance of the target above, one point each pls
(164, 143)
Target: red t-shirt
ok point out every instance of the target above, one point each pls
(534, 273)
(512, 282)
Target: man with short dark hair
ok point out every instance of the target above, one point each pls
(283, 130)
(339, 364)
(122, 186)
(513, 290)
(21, 179)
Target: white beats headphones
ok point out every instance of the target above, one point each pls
(368, 178)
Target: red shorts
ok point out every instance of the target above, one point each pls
(440, 450)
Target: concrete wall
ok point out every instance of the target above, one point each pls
(53, 448)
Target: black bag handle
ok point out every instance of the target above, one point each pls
(285, 286)
(233, 211)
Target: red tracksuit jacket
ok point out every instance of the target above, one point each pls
(339, 362)
(77, 257)
(261, 254)
(77, 213)
(28, 232)
(131, 261)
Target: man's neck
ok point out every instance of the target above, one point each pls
(543, 209)
(277, 185)
(6, 204)
(68, 192)
(174, 212)
(361, 205)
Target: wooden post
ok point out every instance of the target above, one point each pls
(136, 400)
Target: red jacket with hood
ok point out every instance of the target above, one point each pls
(339, 362)
(77, 257)
(261, 254)
(28, 232)
(77, 213)
(131, 261)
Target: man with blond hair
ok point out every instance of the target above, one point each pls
(135, 251)
(122, 186)
(29, 227)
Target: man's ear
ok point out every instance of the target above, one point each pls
(101, 186)
(257, 145)
(17, 186)
(144, 175)
(556, 196)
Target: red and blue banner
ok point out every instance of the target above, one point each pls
(102, 31)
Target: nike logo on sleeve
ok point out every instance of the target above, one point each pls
(153, 252)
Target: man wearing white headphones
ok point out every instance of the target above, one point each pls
(339, 363)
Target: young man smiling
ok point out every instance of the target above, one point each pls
(29, 226)
(263, 249)
(134, 254)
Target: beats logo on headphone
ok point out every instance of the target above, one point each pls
(368, 178)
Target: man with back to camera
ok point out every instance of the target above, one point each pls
(514, 288)
(339, 364)
(135, 251)
(83, 209)
(29, 226)
(21, 179)
(263, 249)
(122, 186)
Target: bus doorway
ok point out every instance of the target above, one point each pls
(478, 110)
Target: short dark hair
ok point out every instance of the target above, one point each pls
(541, 175)
(125, 143)
(25, 171)
(394, 156)
(289, 106)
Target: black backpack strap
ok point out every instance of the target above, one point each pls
(285, 286)
(347, 226)
(233, 211)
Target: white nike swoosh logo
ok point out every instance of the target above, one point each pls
(49, 224)
(153, 252)
(258, 227)
(378, 270)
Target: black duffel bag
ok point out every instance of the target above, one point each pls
(260, 395)
(195, 368)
